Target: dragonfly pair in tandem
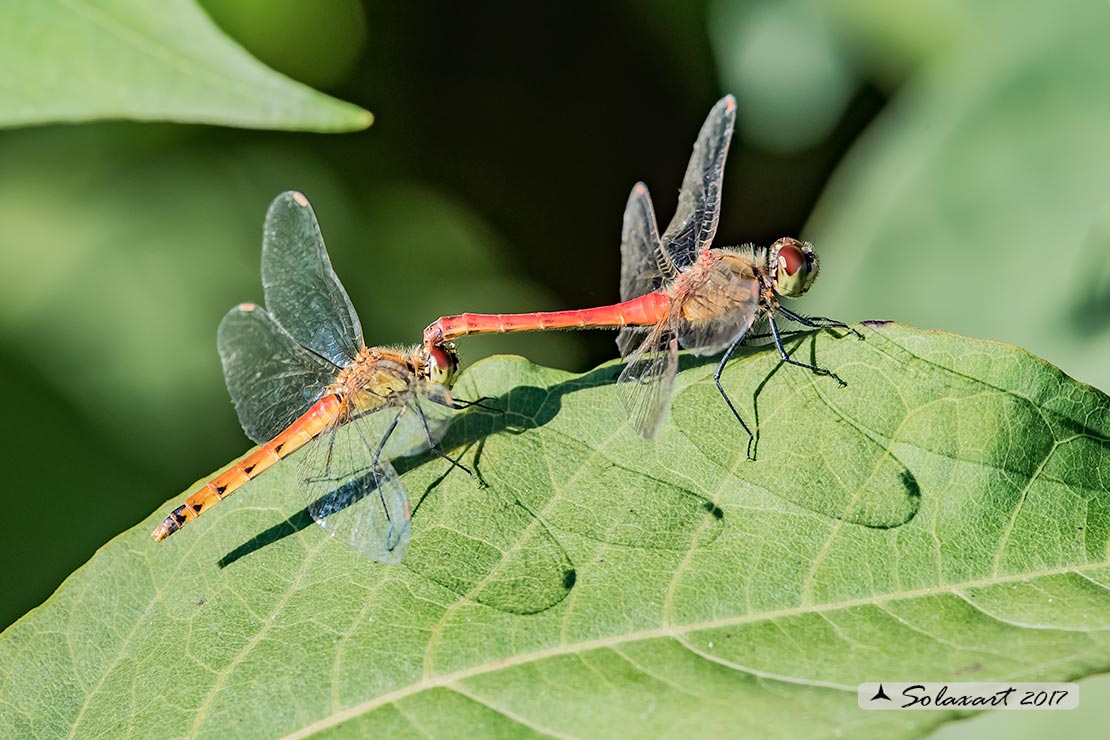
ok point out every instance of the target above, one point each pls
(299, 372)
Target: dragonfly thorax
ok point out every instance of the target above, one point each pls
(378, 372)
(720, 281)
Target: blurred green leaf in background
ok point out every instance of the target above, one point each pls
(82, 60)
(980, 200)
(948, 159)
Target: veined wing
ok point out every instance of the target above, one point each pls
(643, 260)
(367, 509)
(348, 479)
(302, 290)
(647, 381)
(695, 220)
(272, 379)
(645, 265)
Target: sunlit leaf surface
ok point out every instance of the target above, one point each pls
(945, 516)
(80, 60)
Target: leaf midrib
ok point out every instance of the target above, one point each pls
(678, 633)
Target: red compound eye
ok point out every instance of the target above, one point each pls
(791, 258)
(440, 358)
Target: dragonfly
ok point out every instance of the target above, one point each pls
(678, 290)
(300, 376)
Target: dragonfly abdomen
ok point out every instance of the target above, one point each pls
(296, 435)
(647, 310)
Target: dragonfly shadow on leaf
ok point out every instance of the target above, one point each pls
(761, 341)
(520, 409)
(815, 447)
(480, 567)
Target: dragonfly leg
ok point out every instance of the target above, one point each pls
(454, 462)
(460, 404)
(377, 453)
(790, 361)
(436, 450)
(817, 322)
(785, 334)
(377, 458)
(724, 395)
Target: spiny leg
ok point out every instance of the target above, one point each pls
(787, 359)
(459, 404)
(432, 444)
(785, 334)
(810, 322)
(724, 395)
(453, 461)
(377, 458)
(817, 322)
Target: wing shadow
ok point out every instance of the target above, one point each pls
(529, 407)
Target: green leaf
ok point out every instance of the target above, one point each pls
(942, 516)
(82, 60)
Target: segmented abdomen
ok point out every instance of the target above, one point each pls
(296, 435)
(646, 310)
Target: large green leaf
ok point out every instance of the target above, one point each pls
(80, 60)
(989, 162)
(943, 516)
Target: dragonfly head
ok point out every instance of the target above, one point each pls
(441, 363)
(795, 266)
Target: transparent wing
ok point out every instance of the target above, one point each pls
(643, 261)
(631, 337)
(271, 378)
(348, 479)
(302, 290)
(717, 309)
(695, 220)
(645, 265)
(647, 382)
(369, 511)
